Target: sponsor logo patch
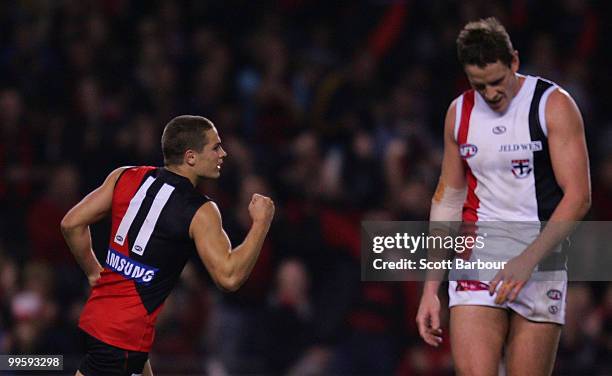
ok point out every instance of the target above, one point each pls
(521, 168)
(471, 286)
(468, 150)
(500, 129)
(531, 146)
(129, 268)
(553, 309)
(554, 294)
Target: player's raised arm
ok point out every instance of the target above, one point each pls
(75, 225)
(230, 268)
(446, 205)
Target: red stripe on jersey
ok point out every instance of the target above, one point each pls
(470, 208)
(466, 112)
(472, 203)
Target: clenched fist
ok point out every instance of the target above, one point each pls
(261, 208)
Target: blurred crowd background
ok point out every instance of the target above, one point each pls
(334, 109)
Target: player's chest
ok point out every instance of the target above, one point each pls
(500, 144)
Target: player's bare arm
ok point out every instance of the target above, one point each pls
(452, 176)
(229, 267)
(75, 225)
(569, 158)
(446, 206)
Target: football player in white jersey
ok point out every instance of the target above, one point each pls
(484, 323)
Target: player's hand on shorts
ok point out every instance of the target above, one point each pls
(261, 208)
(428, 319)
(509, 281)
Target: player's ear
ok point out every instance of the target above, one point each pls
(190, 157)
(515, 62)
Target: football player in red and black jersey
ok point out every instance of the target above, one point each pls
(159, 220)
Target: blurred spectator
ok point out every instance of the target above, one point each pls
(17, 165)
(577, 351)
(45, 237)
(602, 190)
(342, 103)
(382, 308)
(289, 316)
(34, 313)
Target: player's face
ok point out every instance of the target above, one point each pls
(497, 83)
(211, 157)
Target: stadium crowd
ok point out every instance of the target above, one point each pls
(333, 109)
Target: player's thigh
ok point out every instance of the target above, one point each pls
(477, 337)
(147, 371)
(531, 347)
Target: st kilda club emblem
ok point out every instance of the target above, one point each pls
(521, 168)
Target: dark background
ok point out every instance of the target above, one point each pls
(334, 109)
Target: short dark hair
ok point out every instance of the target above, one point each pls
(484, 42)
(181, 134)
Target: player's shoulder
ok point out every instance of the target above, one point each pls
(114, 175)
(552, 95)
(560, 111)
(132, 169)
(559, 99)
(208, 214)
(119, 172)
(457, 103)
(555, 94)
(452, 108)
(453, 113)
(209, 208)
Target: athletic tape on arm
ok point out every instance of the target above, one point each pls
(446, 205)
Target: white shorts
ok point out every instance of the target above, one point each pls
(539, 301)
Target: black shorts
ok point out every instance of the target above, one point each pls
(104, 359)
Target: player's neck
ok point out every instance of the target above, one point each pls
(518, 84)
(184, 172)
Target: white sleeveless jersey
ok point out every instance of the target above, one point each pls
(508, 168)
(511, 190)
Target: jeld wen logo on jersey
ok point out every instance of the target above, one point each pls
(532, 146)
(521, 168)
(129, 268)
(467, 150)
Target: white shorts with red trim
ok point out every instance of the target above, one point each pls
(539, 301)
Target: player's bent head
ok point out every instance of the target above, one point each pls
(483, 42)
(185, 132)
